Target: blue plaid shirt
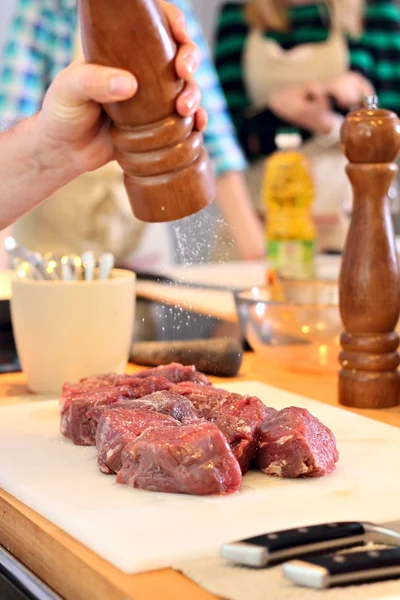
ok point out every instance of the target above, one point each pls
(41, 43)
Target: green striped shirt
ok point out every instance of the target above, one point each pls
(376, 55)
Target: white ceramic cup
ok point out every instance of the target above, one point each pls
(66, 330)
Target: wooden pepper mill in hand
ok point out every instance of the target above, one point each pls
(167, 172)
(370, 278)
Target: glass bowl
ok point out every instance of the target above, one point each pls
(296, 324)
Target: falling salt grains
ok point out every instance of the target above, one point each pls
(199, 239)
(192, 236)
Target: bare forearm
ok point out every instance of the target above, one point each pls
(237, 209)
(25, 181)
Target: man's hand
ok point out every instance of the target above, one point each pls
(306, 107)
(72, 126)
(350, 89)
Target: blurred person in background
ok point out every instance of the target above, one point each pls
(305, 64)
(93, 212)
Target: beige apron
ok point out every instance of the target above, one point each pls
(93, 213)
(268, 69)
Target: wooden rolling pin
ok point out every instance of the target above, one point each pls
(167, 172)
(221, 357)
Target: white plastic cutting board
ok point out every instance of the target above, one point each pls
(240, 275)
(137, 531)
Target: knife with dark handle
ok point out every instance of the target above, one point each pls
(262, 550)
(344, 569)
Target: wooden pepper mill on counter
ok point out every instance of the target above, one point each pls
(370, 277)
(167, 172)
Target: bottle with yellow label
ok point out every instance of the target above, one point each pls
(288, 196)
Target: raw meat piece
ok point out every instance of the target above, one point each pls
(119, 426)
(204, 398)
(69, 390)
(165, 402)
(293, 443)
(239, 418)
(191, 459)
(175, 373)
(76, 422)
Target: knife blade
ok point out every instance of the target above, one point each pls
(24, 579)
(322, 572)
(262, 550)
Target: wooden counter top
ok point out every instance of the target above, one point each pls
(75, 572)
